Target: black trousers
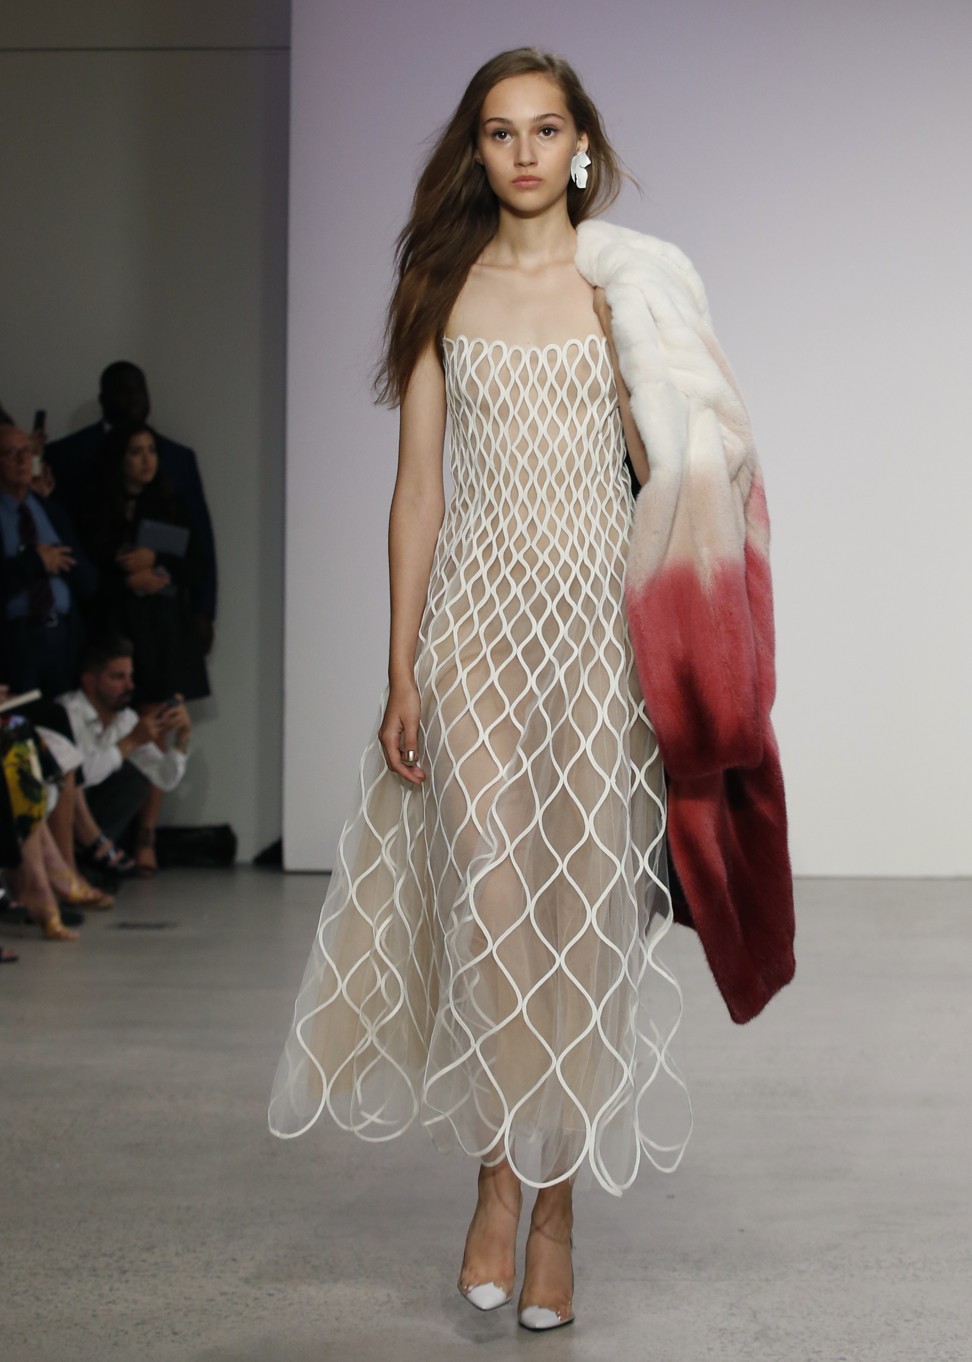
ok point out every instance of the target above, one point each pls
(115, 801)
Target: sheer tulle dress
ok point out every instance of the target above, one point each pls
(486, 961)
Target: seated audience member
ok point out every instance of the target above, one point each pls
(124, 400)
(60, 759)
(37, 874)
(128, 760)
(43, 575)
(138, 533)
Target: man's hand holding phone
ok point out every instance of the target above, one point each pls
(173, 717)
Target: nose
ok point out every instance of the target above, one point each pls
(525, 154)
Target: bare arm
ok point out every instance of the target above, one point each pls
(417, 508)
(632, 437)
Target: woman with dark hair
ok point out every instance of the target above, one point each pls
(487, 954)
(138, 532)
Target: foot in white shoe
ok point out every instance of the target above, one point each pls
(488, 1271)
(539, 1317)
(548, 1254)
(486, 1295)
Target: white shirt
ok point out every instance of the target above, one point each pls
(99, 745)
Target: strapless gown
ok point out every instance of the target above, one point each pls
(486, 961)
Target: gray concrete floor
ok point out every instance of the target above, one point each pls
(823, 1209)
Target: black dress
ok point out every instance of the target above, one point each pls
(168, 658)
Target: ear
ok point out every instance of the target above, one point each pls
(582, 142)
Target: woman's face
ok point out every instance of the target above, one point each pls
(141, 461)
(526, 140)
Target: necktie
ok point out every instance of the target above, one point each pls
(40, 596)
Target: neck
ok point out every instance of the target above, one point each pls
(18, 493)
(104, 714)
(531, 243)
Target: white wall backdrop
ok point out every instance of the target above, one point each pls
(811, 159)
(143, 158)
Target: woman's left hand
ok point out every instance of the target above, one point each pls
(136, 560)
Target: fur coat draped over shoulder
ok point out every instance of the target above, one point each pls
(699, 608)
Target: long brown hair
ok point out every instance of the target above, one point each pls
(455, 213)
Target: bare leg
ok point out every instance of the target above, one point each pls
(30, 884)
(86, 830)
(66, 883)
(148, 817)
(54, 861)
(61, 821)
(548, 1280)
(490, 1251)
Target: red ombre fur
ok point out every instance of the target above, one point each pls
(699, 606)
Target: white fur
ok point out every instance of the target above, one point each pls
(684, 400)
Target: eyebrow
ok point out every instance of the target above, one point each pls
(537, 118)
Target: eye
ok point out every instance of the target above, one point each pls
(553, 131)
(499, 134)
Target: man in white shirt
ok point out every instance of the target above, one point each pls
(125, 757)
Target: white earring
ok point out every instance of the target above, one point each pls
(578, 168)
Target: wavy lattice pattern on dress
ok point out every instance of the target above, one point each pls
(487, 955)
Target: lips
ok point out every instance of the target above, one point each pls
(527, 180)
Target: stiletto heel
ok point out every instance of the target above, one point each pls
(542, 1317)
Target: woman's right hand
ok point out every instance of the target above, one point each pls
(136, 560)
(398, 733)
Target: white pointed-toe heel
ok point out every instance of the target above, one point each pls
(486, 1295)
(539, 1317)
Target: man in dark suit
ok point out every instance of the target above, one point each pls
(124, 399)
(43, 574)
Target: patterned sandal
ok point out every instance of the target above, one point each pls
(102, 854)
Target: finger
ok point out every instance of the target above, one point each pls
(394, 760)
(409, 751)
